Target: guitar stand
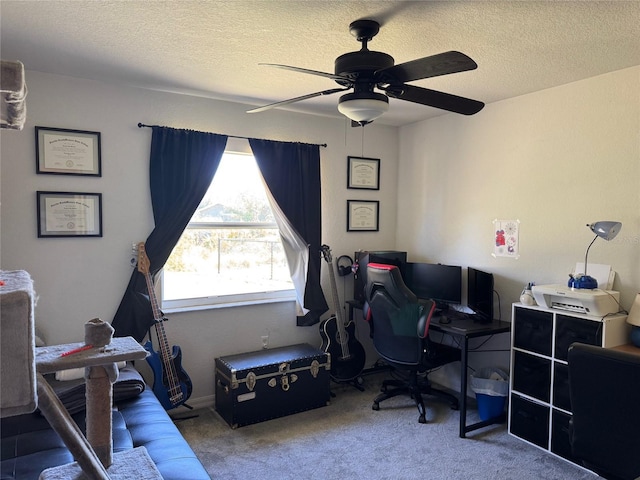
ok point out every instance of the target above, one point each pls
(355, 383)
(187, 417)
(359, 381)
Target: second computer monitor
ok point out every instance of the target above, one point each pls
(480, 293)
(442, 283)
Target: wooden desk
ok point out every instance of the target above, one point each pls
(456, 329)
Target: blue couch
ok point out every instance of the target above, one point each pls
(29, 445)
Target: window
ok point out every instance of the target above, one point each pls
(230, 253)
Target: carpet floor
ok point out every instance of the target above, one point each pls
(347, 439)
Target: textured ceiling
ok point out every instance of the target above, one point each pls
(213, 48)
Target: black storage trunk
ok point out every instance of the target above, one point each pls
(257, 386)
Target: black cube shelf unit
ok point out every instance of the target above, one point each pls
(539, 405)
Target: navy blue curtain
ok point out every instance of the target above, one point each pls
(182, 165)
(292, 173)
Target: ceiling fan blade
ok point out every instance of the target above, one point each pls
(297, 99)
(427, 67)
(433, 98)
(312, 72)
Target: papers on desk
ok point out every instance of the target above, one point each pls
(602, 273)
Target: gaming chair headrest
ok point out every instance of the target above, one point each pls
(387, 277)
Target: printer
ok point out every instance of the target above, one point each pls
(595, 302)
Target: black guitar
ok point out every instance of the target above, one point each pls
(339, 340)
(171, 384)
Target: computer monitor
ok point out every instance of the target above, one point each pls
(442, 283)
(480, 293)
(363, 258)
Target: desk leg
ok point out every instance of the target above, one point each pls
(463, 386)
(464, 428)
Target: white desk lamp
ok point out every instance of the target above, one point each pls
(607, 230)
(634, 319)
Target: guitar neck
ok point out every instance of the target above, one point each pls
(169, 373)
(335, 297)
(157, 316)
(342, 337)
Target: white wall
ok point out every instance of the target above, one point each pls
(555, 160)
(77, 279)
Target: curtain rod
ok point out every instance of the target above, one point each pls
(142, 125)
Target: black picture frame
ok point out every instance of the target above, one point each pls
(363, 215)
(69, 214)
(62, 151)
(363, 173)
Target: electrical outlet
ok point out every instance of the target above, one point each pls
(265, 341)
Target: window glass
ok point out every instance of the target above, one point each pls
(231, 250)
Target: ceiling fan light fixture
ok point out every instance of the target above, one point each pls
(363, 106)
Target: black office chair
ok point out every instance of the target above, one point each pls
(604, 387)
(399, 325)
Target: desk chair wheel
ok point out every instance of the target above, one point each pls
(375, 406)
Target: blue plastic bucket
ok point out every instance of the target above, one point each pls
(490, 406)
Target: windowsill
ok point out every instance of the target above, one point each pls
(239, 303)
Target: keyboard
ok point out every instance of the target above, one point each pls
(469, 325)
(456, 316)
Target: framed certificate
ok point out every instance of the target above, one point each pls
(363, 215)
(363, 173)
(68, 152)
(69, 214)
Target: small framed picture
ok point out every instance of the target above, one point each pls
(61, 151)
(363, 215)
(69, 214)
(363, 173)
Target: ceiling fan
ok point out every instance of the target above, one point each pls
(366, 70)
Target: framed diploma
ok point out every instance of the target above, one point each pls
(363, 215)
(363, 173)
(69, 214)
(68, 152)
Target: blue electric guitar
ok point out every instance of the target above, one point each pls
(171, 384)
